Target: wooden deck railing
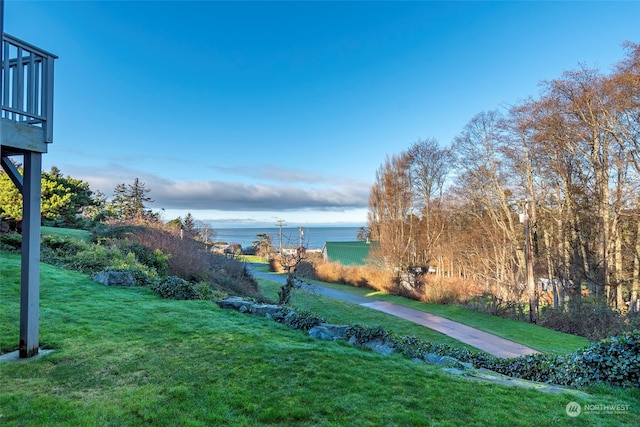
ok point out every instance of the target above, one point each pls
(27, 85)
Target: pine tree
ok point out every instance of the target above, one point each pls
(189, 224)
(129, 202)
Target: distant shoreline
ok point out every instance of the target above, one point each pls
(274, 225)
(313, 237)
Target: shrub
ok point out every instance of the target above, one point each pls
(60, 250)
(94, 258)
(447, 290)
(331, 272)
(162, 249)
(358, 276)
(153, 258)
(306, 269)
(173, 287)
(492, 304)
(415, 348)
(10, 242)
(143, 275)
(593, 320)
(232, 276)
(362, 334)
(614, 361)
(207, 291)
(298, 319)
(103, 233)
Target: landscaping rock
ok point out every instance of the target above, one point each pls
(114, 278)
(328, 332)
(436, 359)
(455, 371)
(248, 306)
(236, 303)
(377, 345)
(265, 310)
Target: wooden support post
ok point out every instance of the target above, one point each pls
(30, 280)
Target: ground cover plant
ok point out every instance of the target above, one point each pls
(125, 356)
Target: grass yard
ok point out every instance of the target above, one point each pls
(125, 357)
(66, 232)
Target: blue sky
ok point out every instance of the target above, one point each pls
(244, 113)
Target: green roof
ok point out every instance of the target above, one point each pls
(347, 253)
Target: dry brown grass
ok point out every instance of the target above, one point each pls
(358, 276)
(447, 290)
(430, 288)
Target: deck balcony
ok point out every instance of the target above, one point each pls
(26, 128)
(26, 116)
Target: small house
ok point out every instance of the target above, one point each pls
(347, 253)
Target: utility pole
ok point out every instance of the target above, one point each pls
(301, 234)
(280, 224)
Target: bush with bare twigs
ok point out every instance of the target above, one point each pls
(358, 276)
(447, 290)
(181, 256)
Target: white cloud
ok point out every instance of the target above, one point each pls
(327, 194)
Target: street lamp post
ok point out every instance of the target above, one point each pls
(528, 253)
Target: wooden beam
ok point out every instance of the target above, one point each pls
(21, 137)
(12, 171)
(30, 280)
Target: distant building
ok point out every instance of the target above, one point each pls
(347, 253)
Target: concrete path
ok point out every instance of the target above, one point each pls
(479, 339)
(484, 341)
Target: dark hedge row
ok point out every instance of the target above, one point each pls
(614, 361)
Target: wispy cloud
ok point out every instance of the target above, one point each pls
(289, 193)
(279, 174)
(236, 196)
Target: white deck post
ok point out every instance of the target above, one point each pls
(30, 283)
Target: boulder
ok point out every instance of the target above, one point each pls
(436, 359)
(114, 278)
(377, 345)
(236, 303)
(328, 332)
(265, 310)
(248, 306)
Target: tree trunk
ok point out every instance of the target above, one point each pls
(635, 284)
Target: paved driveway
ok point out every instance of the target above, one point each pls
(484, 341)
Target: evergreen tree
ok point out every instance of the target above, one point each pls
(63, 199)
(175, 223)
(189, 224)
(129, 202)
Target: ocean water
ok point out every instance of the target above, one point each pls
(312, 237)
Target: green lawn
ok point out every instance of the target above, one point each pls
(125, 357)
(66, 232)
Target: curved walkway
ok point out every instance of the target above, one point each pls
(484, 341)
